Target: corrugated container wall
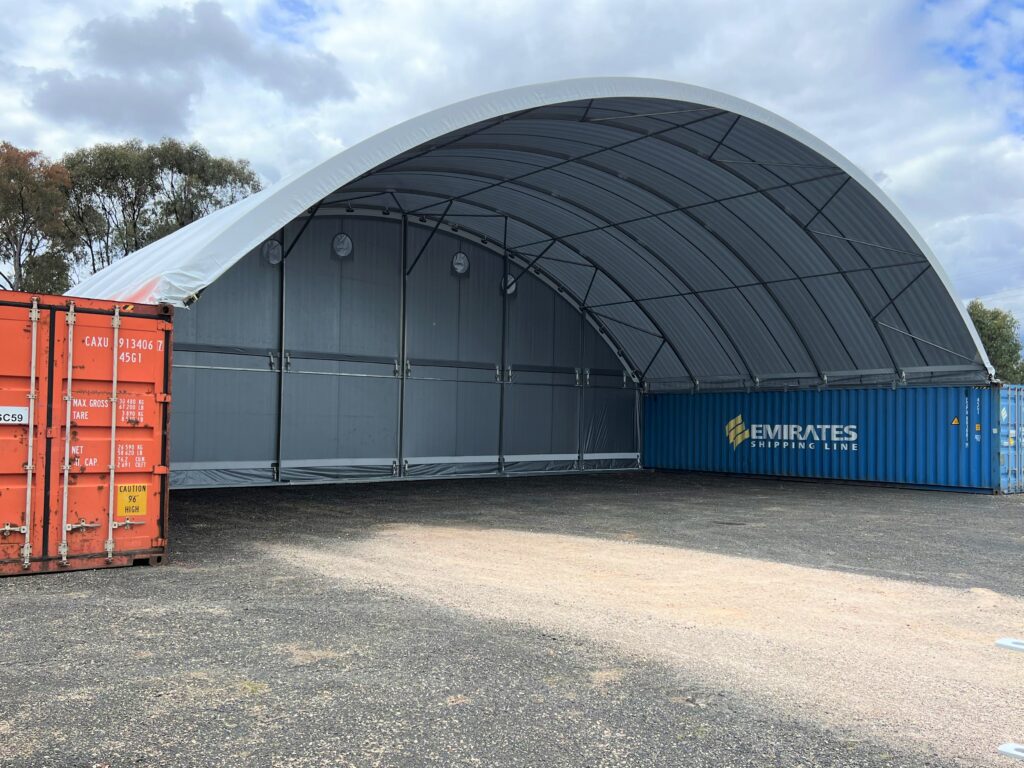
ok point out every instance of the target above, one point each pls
(962, 438)
(84, 393)
(1011, 452)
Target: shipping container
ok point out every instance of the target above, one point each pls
(84, 404)
(960, 438)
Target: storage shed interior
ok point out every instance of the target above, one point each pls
(495, 285)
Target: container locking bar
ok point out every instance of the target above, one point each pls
(81, 525)
(26, 529)
(108, 545)
(62, 550)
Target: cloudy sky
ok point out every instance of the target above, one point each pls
(927, 97)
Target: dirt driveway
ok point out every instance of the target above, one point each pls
(613, 620)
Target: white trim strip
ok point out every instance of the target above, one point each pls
(452, 460)
(312, 463)
(542, 457)
(601, 456)
(188, 466)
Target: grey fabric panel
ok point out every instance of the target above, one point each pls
(454, 469)
(538, 466)
(930, 314)
(858, 216)
(224, 414)
(611, 464)
(239, 309)
(329, 416)
(220, 478)
(543, 328)
(609, 420)
(327, 474)
(596, 352)
(706, 349)
(541, 419)
(349, 305)
(451, 418)
(857, 332)
(755, 341)
(451, 317)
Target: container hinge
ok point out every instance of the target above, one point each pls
(8, 529)
(163, 397)
(161, 469)
(405, 467)
(586, 377)
(508, 374)
(394, 468)
(497, 373)
(578, 379)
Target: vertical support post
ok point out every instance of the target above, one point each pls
(403, 360)
(69, 350)
(581, 398)
(505, 376)
(108, 545)
(26, 549)
(638, 414)
(280, 362)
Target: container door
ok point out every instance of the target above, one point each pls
(24, 335)
(107, 468)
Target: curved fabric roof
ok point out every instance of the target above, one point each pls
(716, 244)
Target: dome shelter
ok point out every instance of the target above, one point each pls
(497, 285)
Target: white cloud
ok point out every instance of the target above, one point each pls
(927, 97)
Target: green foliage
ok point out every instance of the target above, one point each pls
(124, 196)
(33, 239)
(103, 202)
(47, 272)
(1000, 333)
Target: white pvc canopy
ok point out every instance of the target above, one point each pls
(715, 243)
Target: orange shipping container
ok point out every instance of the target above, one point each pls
(84, 406)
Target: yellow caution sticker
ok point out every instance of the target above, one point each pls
(977, 427)
(956, 421)
(131, 499)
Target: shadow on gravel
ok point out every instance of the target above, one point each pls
(947, 539)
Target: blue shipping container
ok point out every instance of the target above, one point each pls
(1011, 453)
(961, 438)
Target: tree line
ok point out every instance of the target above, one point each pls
(62, 220)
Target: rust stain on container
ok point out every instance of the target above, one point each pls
(84, 406)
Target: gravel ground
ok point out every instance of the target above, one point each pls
(377, 625)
